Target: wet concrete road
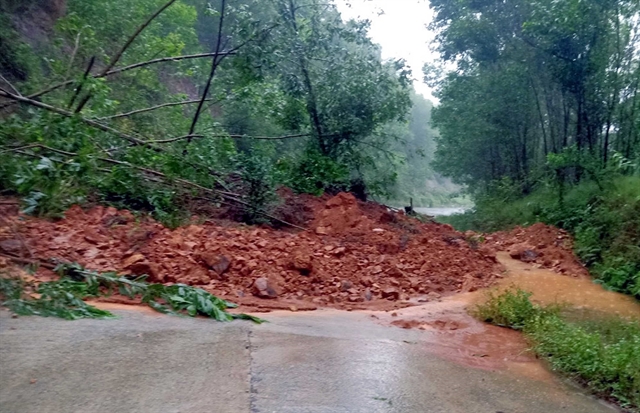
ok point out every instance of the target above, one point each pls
(298, 363)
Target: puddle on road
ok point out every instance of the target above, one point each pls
(457, 336)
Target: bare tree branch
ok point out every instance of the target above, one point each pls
(4, 79)
(75, 51)
(149, 109)
(164, 59)
(81, 85)
(122, 69)
(230, 136)
(118, 55)
(214, 65)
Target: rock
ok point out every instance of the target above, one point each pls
(262, 288)
(391, 294)
(303, 263)
(523, 252)
(366, 281)
(11, 246)
(376, 270)
(339, 251)
(93, 237)
(132, 260)
(197, 276)
(322, 231)
(218, 263)
(367, 295)
(345, 285)
(146, 268)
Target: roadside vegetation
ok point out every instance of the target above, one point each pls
(601, 353)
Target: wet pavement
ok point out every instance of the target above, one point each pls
(323, 361)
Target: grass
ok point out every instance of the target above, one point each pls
(64, 298)
(601, 353)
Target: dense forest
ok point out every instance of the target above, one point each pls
(154, 106)
(540, 114)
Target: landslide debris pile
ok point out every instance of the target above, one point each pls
(353, 256)
(545, 245)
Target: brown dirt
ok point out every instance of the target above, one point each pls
(355, 255)
(541, 244)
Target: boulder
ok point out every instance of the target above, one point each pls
(263, 288)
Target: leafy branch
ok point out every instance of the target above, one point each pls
(64, 298)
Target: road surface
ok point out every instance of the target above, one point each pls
(337, 362)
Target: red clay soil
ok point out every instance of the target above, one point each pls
(544, 245)
(355, 255)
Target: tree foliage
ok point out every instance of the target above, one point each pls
(149, 104)
(534, 79)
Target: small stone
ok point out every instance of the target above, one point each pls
(146, 268)
(366, 281)
(391, 294)
(321, 231)
(218, 263)
(132, 260)
(339, 251)
(302, 263)
(367, 295)
(376, 270)
(11, 246)
(93, 237)
(345, 285)
(262, 288)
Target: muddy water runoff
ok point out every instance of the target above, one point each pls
(457, 336)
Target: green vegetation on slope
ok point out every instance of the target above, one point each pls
(603, 355)
(217, 102)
